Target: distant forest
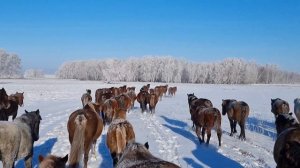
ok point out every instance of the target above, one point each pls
(169, 69)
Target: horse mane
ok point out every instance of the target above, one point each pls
(90, 106)
(284, 121)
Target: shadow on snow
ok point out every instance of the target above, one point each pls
(103, 150)
(262, 127)
(205, 154)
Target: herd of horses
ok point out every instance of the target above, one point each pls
(110, 108)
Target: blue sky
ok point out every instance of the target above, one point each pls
(45, 33)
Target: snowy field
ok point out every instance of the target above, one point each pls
(169, 131)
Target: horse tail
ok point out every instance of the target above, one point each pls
(121, 138)
(77, 145)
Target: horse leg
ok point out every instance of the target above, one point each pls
(8, 164)
(28, 161)
(114, 158)
(231, 127)
(203, 133)
(219, 133)
(242, 134)
(208, 135)
(198, 129)
(234, 127)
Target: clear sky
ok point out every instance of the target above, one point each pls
(45, 33)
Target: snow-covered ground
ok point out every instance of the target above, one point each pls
(169, 131)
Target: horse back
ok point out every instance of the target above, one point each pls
(240, 110)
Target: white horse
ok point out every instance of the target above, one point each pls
(17, 138)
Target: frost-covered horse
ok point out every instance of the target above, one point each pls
(279, 106)
(15, 101)
(297, 108)
(52, 161)
(137, 155)
(17, 138)
(86, 97)
(287, 146)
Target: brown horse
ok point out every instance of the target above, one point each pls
(137, 155)
(84, 127)
(145, 88)
(142, 99)
(124, 101)
(152, 101)
(86, 97)
(132, 96)
(297, 108)
(102, 94)
(195, 102)
(4, 103)
(15, 101)
(131, 89)
(158, 90)
(108, 110)
(172, 91)
(279, 106)
(287, 146)
(237, 111)
(207, 119)
(120, 132)
(52, 161)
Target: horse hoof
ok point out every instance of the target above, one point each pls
(231, 134)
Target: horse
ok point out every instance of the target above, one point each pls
(123, 89)
(142, 99)
(124, 101)
(17, 138)
(158, 90)
(132, 95)
(152, 101)
(120, 132)
(100, 92)
(287, 146)
(145, 88)
(4, 103)
(297, 108)
(137, 155)
(15, 101)
(194, 102)
(207, 118)
(164, 89)
(108, 110)
(237, 111)
(131, 89)
(279, 106)
(172, 91)
(86, 97)
(84, 128)
(52, 161)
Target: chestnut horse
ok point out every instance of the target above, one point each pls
(108, 110)
(297, 108)
(279, 106)
(287, 146)
(172, 91)
(152, 101)
(124, 101)
(137, 155)
(84, 127)
(52, 161)
(237, 112)
(142, 99)
(86, 97)
(207, 118)
(132, 95)
(120, 132)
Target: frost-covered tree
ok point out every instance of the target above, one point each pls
(168, 69)
(10, 65)
(34, 73)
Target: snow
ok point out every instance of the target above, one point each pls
(168, 131)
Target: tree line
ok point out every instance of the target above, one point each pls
(169, 69)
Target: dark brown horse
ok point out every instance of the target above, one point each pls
(142, 99)
(137, 155)
(52, 161)
(15, 101)
(86, 97)
(84, 127)
(120, 132)
(237, 112)
(195, 102)
(152, 101)
(207, 118)
(279, 106)
(145, 88)
(287, 146)
(4, 103)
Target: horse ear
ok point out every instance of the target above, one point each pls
(26, 111)
(41, 158)
(146, 145)
(65, 159)
(37, 111)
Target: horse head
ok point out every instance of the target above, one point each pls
(88, 91)
(52, 161)
(20, 98)
(34, 122)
